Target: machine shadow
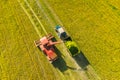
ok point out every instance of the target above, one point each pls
(60, 62)
(81, 60)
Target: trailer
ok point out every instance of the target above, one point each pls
(70, 44)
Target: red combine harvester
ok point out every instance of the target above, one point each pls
(46, 44)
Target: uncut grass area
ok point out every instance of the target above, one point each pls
(95, 26)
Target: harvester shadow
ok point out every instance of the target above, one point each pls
(60, 62)
(81, 60)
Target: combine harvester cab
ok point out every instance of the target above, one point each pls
(47, 46)
(70, 44)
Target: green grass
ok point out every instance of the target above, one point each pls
(94, 25)
(19, 58)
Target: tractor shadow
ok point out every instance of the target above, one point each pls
(60, 62)
(81, 60)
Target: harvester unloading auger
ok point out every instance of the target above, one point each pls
(46, 44)
(71, 45)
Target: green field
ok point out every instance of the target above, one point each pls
(94, 25)
(22, 22)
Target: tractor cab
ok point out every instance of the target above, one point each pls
(62, 34)
(70, 44)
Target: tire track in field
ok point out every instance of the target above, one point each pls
(27, 46)
(36, 17)
(30, 18)
(44, 30)
(56, 76)
(31, 40)
(35, 26)
(24, 40)
(52, 69)
(43, 71)
(28, 49)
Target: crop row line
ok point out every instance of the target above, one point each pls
(34, 15)
(25, 42)
(27, 46)
(56, 76)
(30, 19)
(41, 26)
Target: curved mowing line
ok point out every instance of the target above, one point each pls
(38, 32)
(36, 17)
